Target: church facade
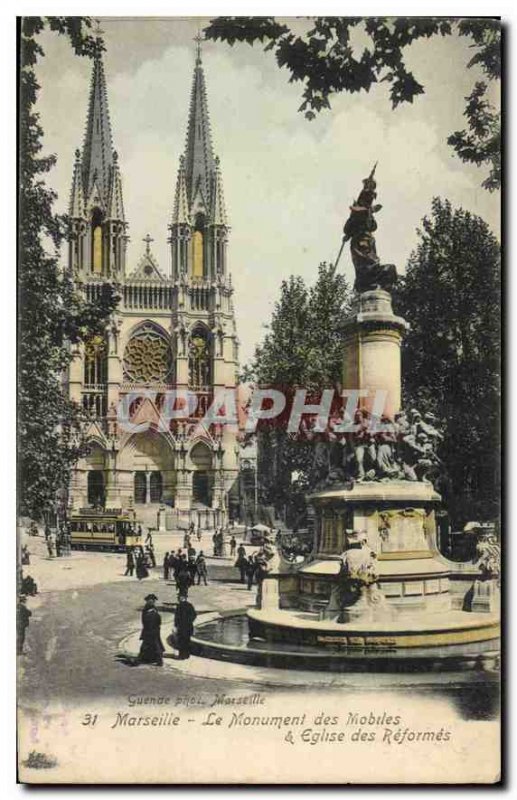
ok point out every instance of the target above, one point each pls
(172, 331)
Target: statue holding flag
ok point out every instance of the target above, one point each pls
(359, 228)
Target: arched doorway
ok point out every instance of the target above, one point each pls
(149, 458)
(201, 458)
(155, 487)
(140, 487)
(96, 491)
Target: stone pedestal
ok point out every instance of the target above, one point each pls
(486, 596)
(372, 349)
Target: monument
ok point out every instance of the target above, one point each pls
(375, 580)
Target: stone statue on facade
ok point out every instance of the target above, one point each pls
(358, 230)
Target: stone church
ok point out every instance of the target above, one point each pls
(171, 330)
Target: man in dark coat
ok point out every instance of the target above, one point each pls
(151, 649)
(130, 562)
(184, 624)
(251, 568)
(201, 568)
(141, 566)
(166, 566)
(242, 562)
(183, 579)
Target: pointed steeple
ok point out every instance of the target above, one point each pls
(98, 146)
(115, 202)
(180, 214)
(218, 209)
(199, 157)
(76, 208)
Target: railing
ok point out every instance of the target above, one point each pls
(147, 296)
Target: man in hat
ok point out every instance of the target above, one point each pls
(201, 569)
(183, 578)
(184, 624)
(151, 649)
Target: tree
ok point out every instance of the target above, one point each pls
(325, 61)
(53, 314)
(450, 294)
(302, 349)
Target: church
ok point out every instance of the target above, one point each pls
(170, 330)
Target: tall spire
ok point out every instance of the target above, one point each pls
(199, 157)
(98, 146)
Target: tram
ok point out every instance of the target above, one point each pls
(106, 529)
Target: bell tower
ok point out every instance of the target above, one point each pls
(203, 315)
(97, 221)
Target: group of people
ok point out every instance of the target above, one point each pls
(140, 560)
(185, 568)
(152, 649)
(252, 568)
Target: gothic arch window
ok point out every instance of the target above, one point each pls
(199, 359)
(97, 255)
(148, 356)
(95, 361)
(198, 245)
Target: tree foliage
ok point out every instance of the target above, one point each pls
(451, 356)
(53, 314)
(326, 62)
(303, 348)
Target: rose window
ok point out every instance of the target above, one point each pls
(147, 358)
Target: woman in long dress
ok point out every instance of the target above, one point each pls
(151, 649)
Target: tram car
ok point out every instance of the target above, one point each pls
(109, 529)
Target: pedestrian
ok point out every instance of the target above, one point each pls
(29, 586)
(199, 534)
(186, 540)
(130, 562)
(192, 570)
(151, 649)
(233, 545)
(149, 538)
(250, 571)
(22, 623)
(183, 579)
(215, 541)
(166, 566)
(141, 567)
(201, 568)
(191, 552)
(241, 562)
(150, 553)
(26, 556)
(172, 564)
(58, 545)
(184, 624)
(50, 545)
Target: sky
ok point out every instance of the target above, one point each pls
(288, 182)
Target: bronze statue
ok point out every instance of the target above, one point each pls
(359, 228)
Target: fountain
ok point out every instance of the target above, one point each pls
(375, 591)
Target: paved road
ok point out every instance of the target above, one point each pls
(74, 636)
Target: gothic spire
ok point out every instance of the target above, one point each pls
(180, 214)
(98, 146)
(218, 209)
(115, 208)
(76, 208)
(199, 157)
